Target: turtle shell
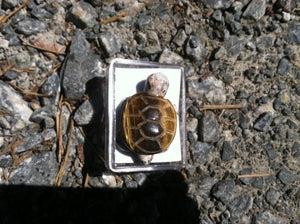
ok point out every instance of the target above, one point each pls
(148, 123)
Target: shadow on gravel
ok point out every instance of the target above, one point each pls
(162, 199)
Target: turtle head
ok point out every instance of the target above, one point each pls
(157, 84)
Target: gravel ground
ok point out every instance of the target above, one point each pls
(54, 56)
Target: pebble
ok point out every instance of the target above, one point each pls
(224, 190)
(14, 103)
(292, 35)
(6, 160)
(31, 26)
(150, 50)
(240, 204)
(263, 122)
(90, 110)
(42, 113)
(218, 4)
(21, 59)
(83, 15)
(51, 87)
(10, 75)
(209, 128)
(228, 152)
(180, 37)
(40, 13)
(286, 176)
(170, 57)
(81, 66)
(195, 48)
(192, 124)
(143, 21)
(111, 43)
(284, 66)
(272, 196)
(9, 4)
(268, 217)
(201, 152)
(234, 45)
(270, 151)
(255, 10)
(246, 180)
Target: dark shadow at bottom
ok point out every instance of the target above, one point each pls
(162, 199)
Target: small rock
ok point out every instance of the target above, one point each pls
(82, 14)
(216, 96)
(109, 180)
(234, 45)
(51, 87)
(284, 66)
(31, 26)
(292, 35)
(90, 110)
(81, 66)
(255, 10)
(6, 160)
(209, 128)
(287, 5)
(14, 103)
(201, 152)
(146, 51)
(263, 122)
(111, 43)
(258, 182)
(272, 196)
(21, 59)
(277, 104)
(143, 21)
(223, 190)
(195, 48)
(180, 37)
(286, 176)
(35, 140)
(9, 4)
(246, 180)
(170, 57)
(217, 15)
(48, 123)
(11, 75)
(40, 13)
(228, 152)
(218, 4)
(286, 16)
(192, 124)
(240, 204)
(42, 113)
(270, 151)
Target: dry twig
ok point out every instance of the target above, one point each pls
(254, 175)
(64, 163)
(114, 18)
(297, 64)
(7, 69)
(40, 48)
(28, 92)
(4, 18)
(220, 107)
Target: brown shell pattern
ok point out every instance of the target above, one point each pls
(148, 123)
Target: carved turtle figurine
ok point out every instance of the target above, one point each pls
(149, 120)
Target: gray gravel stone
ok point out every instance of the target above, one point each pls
(218, 4)
(292, 35)
(223, 190)
(6, 160)
(286, 176)
(246, 180)
(180, 37)
(82, 14)
(228, 152)
(270, 151)
(110, 42)
(21, 59)
(209, 128)
(14, 103)
(146, 51)
(272, 196)
(195, 48)
(240, 204)
(143, 21)
(284, 66)
(81, 66)
(255, 10)
(263, 122)
(201, 152)
(287, 5)
(9, 4)
(35, 140)
(40, 170)
(234, 45)
(31, 26)
(40, 13)
(42, 113)
(169, 57)
(10, 75)
(51, 87)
